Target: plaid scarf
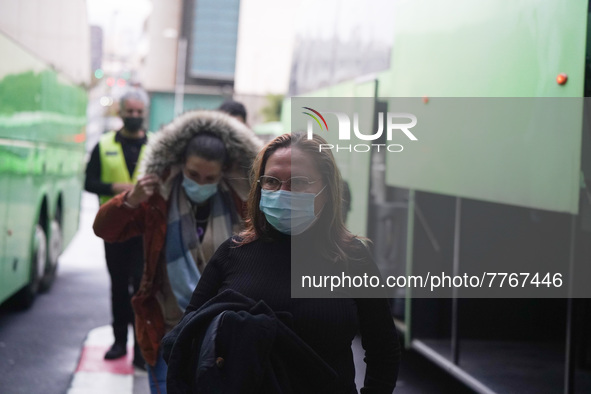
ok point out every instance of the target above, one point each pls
(186, 256)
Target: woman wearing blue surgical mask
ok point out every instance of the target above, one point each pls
(295, 222)
(191, 200)
(291, 205)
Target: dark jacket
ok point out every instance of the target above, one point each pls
(233, 344)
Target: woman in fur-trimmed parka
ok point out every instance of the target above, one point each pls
(189, 202)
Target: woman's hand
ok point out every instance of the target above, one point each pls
(121, 187)
(142, 190)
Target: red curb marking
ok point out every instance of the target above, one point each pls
(92, 360)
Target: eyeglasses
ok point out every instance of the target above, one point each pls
(295, 183)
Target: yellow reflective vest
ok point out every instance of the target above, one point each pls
(113, 166)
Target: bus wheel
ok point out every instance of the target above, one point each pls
(25, 297)
(54, 248)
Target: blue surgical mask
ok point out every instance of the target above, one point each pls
(289, 212)
(196, 192)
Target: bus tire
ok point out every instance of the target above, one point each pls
(26, 296)
(54, 248)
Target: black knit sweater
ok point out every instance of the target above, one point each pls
(261, 270)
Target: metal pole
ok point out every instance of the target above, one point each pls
(179, 90)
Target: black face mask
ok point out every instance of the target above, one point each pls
(132, 124)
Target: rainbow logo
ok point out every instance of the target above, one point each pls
(315, 118)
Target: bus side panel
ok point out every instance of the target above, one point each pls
(25, 186)
(42, 131)
(489, 49)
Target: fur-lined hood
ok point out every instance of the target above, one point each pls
(164, 154)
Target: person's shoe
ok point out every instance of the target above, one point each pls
(139, 363)
(138, 359)
(118, 350)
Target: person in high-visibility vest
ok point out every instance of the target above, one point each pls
(113, 168)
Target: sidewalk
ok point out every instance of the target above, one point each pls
(96, 375)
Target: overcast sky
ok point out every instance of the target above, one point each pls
(122, 22)
(120, 15)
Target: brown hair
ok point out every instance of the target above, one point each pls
(334, 238)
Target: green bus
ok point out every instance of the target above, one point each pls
(456, 197)
(44, 72)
